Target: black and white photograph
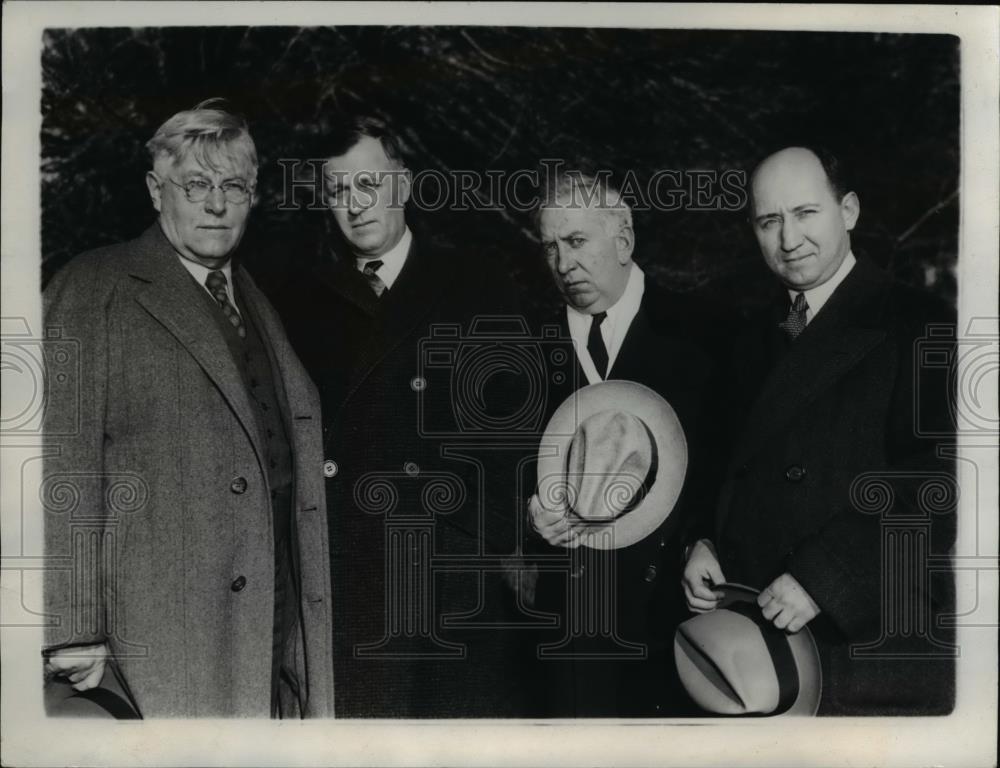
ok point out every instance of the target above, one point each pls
(499, 384)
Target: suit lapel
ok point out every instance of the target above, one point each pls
(346, 282)
(250, 299)
(840, 336)
(413, 296)
(171, 296)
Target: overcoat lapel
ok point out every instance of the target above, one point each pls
(840, 336)
(413, 296)
(642, 341)
(171, 296)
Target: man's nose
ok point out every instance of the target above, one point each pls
(358, 202)
(564, 261)
(215, 202)
(791, 234)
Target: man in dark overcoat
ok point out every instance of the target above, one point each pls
(185, 507)
(838, 502)
(381, 327)
(622, 326)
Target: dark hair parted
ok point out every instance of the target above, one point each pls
(345, 132)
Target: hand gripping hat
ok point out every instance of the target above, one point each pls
(733, 661)
(109, 700)
(614, 457)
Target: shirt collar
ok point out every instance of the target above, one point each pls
(623, 310)
(818, 296)
(615, 326)
(200, 273)
(392, 260)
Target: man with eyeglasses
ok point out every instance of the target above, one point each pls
(197, 564)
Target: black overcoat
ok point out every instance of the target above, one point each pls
(412, 507)
(662, 351)
(841, 477)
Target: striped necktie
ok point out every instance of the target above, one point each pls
(216, 283)
(374, 281)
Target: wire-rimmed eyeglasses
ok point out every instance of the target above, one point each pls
(197, 190)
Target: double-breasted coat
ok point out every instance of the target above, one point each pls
(158, 512)
(659, 352)
(413, 491)
(836, 477)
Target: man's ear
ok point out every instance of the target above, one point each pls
(153, 185)
(850, 210)
(624, 243)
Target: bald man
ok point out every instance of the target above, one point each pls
(824, 386)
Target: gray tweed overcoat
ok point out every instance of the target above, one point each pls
(157, 507)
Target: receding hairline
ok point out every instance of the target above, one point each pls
(836, 194)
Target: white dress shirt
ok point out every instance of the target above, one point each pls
(818, 296)
(392, 260)
(200, 273)
(614, 327)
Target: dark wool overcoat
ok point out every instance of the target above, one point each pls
(841, 476)
(416, 501)
(632, 675)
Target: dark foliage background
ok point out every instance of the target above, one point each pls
(502, 98)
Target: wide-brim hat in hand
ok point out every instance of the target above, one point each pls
(733, 661)
(109, 700)
(613, 457)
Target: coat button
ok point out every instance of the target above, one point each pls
(411, 468)
(329, 468)
(650, 574)
(795, 473)
(239, 485)
(238, 583)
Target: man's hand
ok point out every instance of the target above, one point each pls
(786, 604)
(701, 573)
(83, 665)
(553, 526)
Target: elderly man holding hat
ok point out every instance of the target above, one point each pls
(618, 464)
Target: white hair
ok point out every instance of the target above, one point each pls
(210, 133)
(572, 189)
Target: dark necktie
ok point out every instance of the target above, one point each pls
(374, 281)
(595, 344)
(795, 323)
(216, 283)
